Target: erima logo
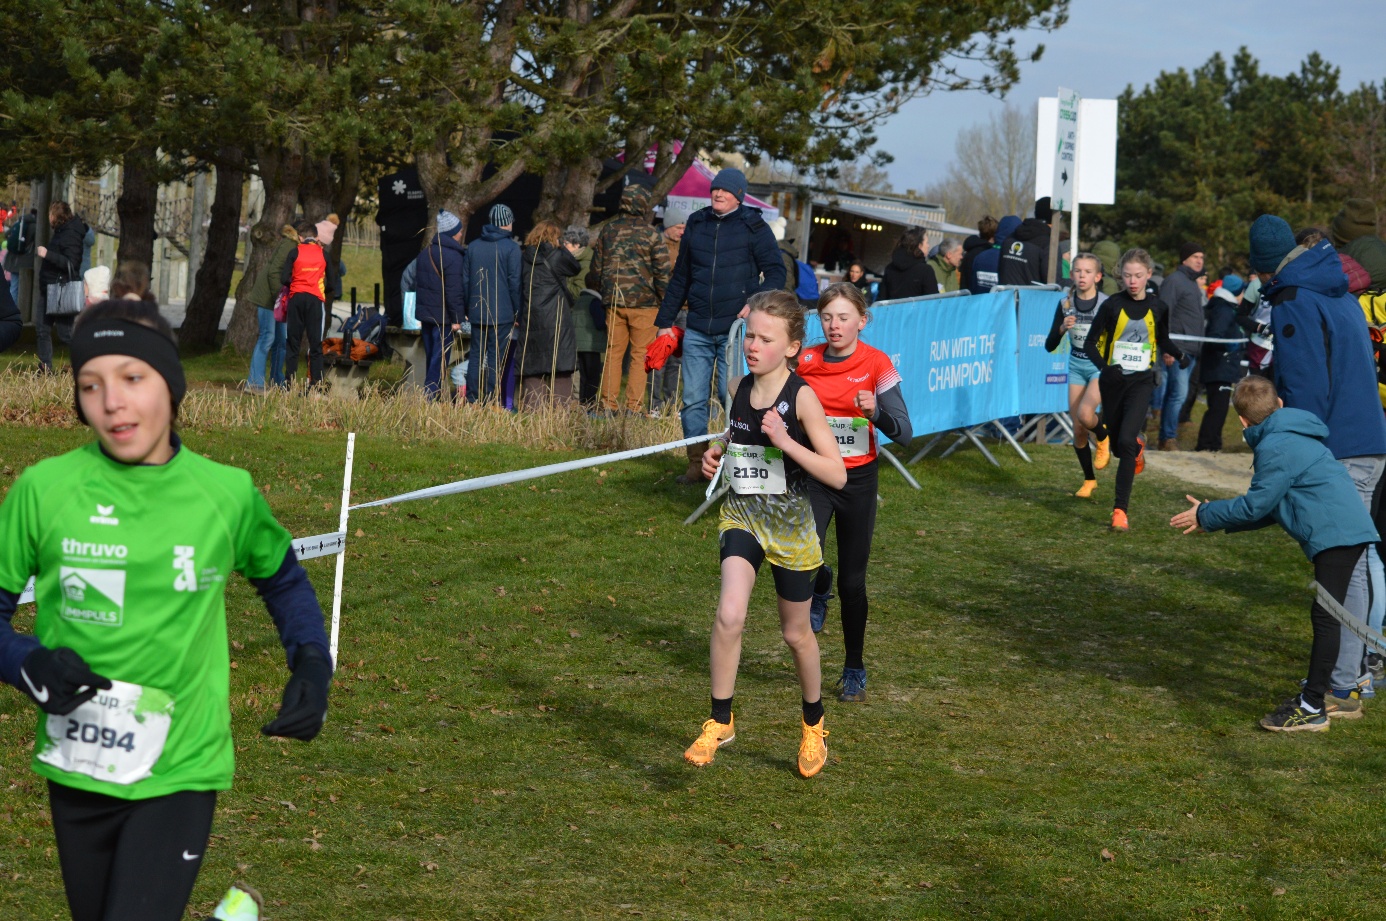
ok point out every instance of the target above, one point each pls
(808, 357)
(96, 551)
(104, 515)
(106, 333)
(783, 407)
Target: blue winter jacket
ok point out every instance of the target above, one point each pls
(722, 262)
(492, 271)
(1323, 353)
(1297, 484)
(986, 266)
(439, 294)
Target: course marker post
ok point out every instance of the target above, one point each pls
(341, 557)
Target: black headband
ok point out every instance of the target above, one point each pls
(125, 337)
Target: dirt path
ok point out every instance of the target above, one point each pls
(1229, 474)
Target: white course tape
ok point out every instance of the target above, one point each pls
(1354, 626)
(532, 473)
(1183, 338)
(305, 548)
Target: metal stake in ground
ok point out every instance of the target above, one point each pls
(341, 557)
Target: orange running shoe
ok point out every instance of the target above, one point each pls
(1103, 455)
(813, 751)
(1119, 522)
(1140, 455)
(1086, 489)
(713, 737)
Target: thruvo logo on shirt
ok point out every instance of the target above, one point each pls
(91, 592)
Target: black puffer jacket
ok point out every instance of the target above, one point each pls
(546, 339)
(64, 259)
(908, 275)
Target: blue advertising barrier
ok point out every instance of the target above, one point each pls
(1043, 376)
(955, 354)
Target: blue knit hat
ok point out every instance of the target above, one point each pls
(1233, 284)
(732, 180)
(1271, 241)
(502, 216)
(448, 223)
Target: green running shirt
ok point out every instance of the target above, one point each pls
(131, 564)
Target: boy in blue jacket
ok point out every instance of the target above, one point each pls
(1300, 486)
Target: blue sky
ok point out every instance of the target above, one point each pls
(1108, 44)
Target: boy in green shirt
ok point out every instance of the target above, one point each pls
(130, 540)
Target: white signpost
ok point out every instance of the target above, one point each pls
(1091, 149)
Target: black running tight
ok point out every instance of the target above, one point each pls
(854, 508)
(129, 860)
(1125, 399)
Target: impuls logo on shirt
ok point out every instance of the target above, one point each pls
(93, 596)
(105, 514)
(186, 580)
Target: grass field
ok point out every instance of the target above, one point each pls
(521, 669)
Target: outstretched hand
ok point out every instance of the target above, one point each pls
(1187, 520)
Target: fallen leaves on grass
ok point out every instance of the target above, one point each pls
(1108, 855)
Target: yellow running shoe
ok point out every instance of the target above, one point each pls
(1086, 489)
(714, 736)
(813, 751)
(1103, 455)
(241, 903)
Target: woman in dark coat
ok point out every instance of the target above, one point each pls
(1220, 367)
(59, 261)
(546, 343)
(909, 274)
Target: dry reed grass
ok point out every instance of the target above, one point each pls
(28, 398)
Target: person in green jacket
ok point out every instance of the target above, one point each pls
(945, 264)
(269, 345)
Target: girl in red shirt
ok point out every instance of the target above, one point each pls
(860, 392)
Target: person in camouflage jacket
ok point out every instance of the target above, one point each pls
(630, 267)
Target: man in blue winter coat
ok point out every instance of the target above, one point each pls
(727, 254)
(1324, 364)
(491, 269)
(440, 291)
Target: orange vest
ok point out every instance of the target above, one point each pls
(310, 272)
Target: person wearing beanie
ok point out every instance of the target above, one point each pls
(978, 243)
(440, 299)
(268, 353)
(327, 229)
(1353, 232)
(96, 281)
(1025, 257)
(728, 253)
(1324, 364)
(130, 540)
(1183, 295)
(1220, 365)
(502, 217)
(491, 272)
(311, 276)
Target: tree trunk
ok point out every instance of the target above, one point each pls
(281, 171)
(568, 192)
(199, 330)
(139, 194)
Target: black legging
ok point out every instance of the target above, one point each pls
(1125, 399)
(129, 860)
(1210, 431)
(1333, 570)
(854, 507)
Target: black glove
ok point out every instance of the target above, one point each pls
(59, 680)
(304, 707)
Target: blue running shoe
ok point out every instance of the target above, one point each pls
(818, 604)
(852, 685)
